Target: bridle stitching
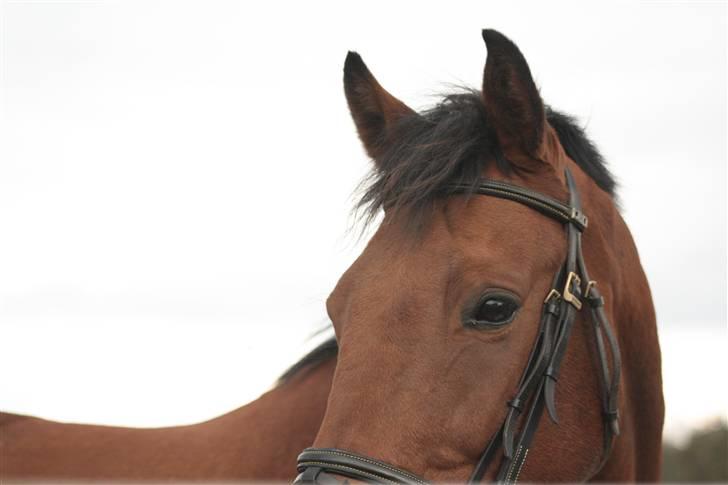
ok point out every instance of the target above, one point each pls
(515, 460)
(523, 463)
(532, 200)
(336, 466)
(374, 462)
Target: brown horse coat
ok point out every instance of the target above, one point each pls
(256, 442)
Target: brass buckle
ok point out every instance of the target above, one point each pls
(589, 286)
(567, 294)
(552, 294)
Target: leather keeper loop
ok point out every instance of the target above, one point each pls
(551, 373)
(595, 301)
(552, 308)
(516, 403)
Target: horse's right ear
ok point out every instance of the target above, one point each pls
(512, 100)
(374, 110)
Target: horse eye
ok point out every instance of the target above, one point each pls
(494, 310)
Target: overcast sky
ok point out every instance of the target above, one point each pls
(176, 180)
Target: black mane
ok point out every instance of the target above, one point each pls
(449, 143)
(582, 150)
(321, 353)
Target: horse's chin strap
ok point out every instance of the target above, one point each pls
(537, 385)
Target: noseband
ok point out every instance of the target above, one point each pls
(537, 386)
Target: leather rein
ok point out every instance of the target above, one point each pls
(537, 385)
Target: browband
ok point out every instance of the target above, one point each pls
(566, 214)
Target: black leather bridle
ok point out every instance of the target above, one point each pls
(537, 386)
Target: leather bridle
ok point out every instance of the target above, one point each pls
(537, 385)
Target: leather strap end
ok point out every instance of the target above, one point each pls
(612, 418)
(550, 397)
(595, 301)
(614, 426)
(508, 435)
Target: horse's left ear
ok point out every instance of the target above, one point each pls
(512, 100)
(374, 110)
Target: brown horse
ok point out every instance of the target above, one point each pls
(468, 315)
(435, 321)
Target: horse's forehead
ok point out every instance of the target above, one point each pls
(475, 238)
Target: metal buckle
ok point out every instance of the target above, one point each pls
(567, 294)
(589, 286)
(552, 294)
(579, 218)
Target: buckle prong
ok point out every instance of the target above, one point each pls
(588, 288)
(554, 293)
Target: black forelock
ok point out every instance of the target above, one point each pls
(452, 143)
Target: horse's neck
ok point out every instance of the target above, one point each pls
(275, 428)
(637, 451)
(259, 441)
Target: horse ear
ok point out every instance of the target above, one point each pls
(512, 100)
(374, 110)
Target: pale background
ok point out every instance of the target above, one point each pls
(176, 180)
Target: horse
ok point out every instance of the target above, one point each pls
(462, 322)
(501, 285)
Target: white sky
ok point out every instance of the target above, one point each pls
(176, 180)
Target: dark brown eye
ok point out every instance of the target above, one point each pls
(494, 310)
